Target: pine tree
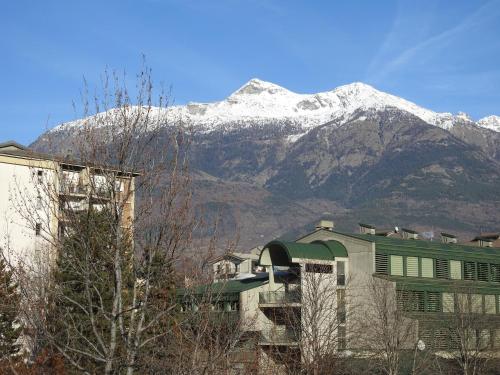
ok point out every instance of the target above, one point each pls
(10, 327)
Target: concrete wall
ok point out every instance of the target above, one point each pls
(24, 203)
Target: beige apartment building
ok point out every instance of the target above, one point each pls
(39, 192)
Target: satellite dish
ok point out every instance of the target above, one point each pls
(420, 345)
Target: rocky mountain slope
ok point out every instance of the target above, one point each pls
(274, 161)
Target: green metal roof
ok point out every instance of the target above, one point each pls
(429, 248)
(319, 250)
(225, 287)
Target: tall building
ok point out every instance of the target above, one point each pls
(39, 192)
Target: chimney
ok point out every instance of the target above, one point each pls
(409, 234)
(366, 228)
(325, 224)
(448, 238)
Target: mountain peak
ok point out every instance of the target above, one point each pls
(355, 87)
(258, 86)
(490, 122)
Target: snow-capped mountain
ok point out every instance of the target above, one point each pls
(264, 103)
(265, 151)
(490, 122)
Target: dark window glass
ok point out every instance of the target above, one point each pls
(340, 273)
(319, 268)
(38, 229)
(442, 269)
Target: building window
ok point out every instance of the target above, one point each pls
(341, 306)
(455, 270)
(38, 202)
(469, 271)
(342, 340)
(39, 175)
(397, 265)
(340, 273)
(381, 263)
(490, 304)
(427, 267)
(433, 302)
(411, 300)
(442, 269)
(448, 302)
(495, 273)
(319, 268)
(412, 266)
(38, 229)
(476, 303)
(483, 271)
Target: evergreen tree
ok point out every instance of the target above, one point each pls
(10, 327)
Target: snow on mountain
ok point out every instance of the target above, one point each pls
(490, 122)
(260, 102)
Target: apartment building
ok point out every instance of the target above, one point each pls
(39, 192)
(428, 280)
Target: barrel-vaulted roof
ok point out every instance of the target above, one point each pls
(317, 250)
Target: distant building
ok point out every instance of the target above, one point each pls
(237, 265)
(427, 279)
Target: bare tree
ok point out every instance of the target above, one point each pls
(386, 330)
(112, 294)
(468, 331)
(315, 312)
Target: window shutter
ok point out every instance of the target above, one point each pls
(482, 272)
(442, 269)
(495, 273)
(397, 265)
(469, 271)
(433, 300)
(427, 267)
(448, 303)
(490, 304)
(381, 263)
(412, 266)
(455, 269)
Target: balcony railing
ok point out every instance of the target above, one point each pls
(73, 189)
(279, 336)
(279, 297)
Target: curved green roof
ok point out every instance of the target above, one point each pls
(337, 249)
(318, 250)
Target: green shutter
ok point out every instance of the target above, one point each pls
(456, 269)
(412, 266)
(397, 265)
(448, 303)
(427, 267)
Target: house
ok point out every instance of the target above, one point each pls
(39, 193)
(237, 265)
(428, 280)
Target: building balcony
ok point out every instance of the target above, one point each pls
(279, 336)
(279, 298)
(73, 190)
(101, 194)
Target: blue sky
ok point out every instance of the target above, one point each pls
(444, 55)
